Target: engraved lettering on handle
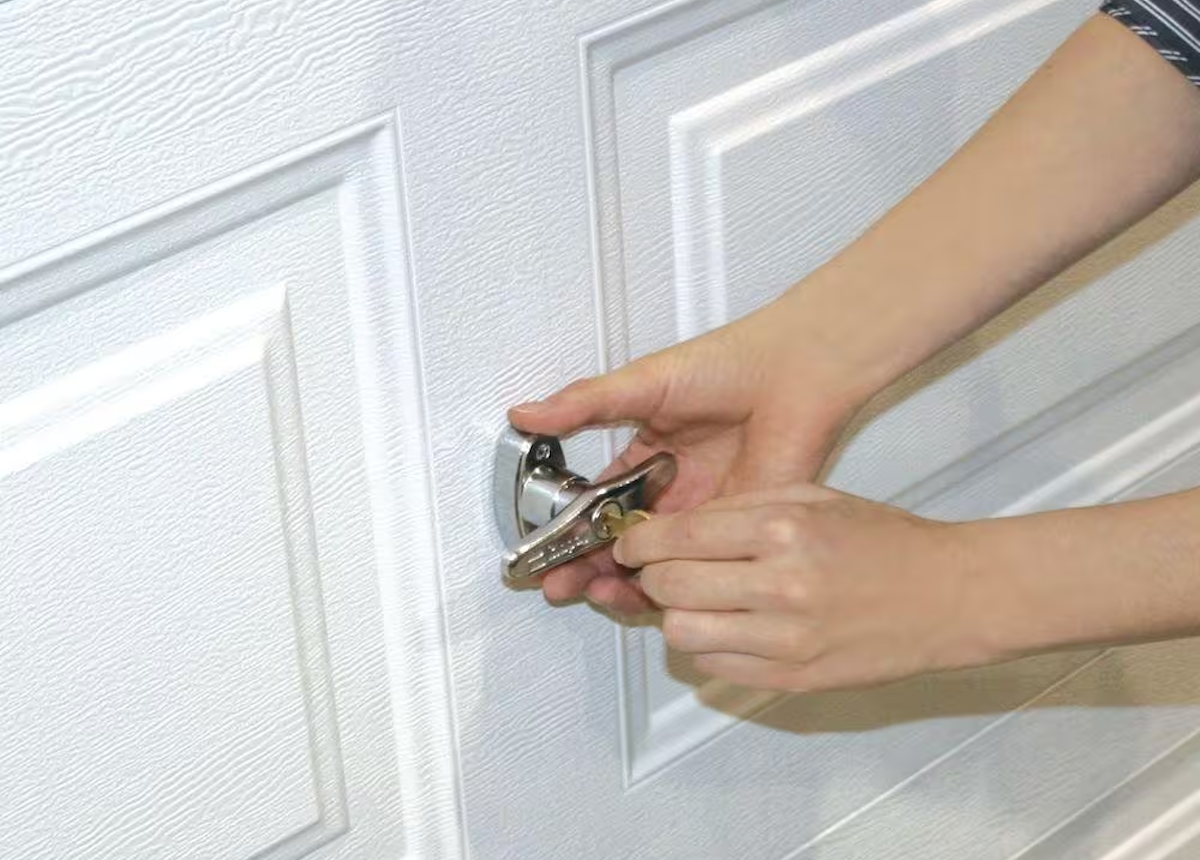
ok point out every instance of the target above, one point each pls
(549, 515)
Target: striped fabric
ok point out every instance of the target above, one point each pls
(1172, 27)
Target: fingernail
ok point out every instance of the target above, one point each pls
(618, 556)
(531, 406)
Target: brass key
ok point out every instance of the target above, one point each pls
(617, 522)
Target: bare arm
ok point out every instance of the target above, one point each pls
(1099, 137)
(1116, 574)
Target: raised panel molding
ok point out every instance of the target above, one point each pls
(1025, 787)
(174, 325)
(603, 54)
(1136, 806)
(1172, 836)
(238, 354)
(120, 387)
(1133, 425)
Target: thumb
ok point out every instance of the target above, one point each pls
(632, 393)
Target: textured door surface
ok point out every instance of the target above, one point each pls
(218, 616)
(270, 272)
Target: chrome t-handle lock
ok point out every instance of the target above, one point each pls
(548, 515)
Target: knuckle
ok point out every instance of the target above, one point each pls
(785, 588)
(797, 642)
(677, 629)
(785, 530)
(662, 583)
(804, 589)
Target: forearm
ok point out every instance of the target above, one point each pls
(1116, 574)
(1100, 136)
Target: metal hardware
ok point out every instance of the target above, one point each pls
(548, 515)
(617, 522)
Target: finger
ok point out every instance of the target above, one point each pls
(632, 393)
(636, 453)
(751, 671)
(619, 595)
(757, 634)
(699, 534)
(569, 582)
(705, 585)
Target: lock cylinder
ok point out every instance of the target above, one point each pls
(549, 515)
(547, 492)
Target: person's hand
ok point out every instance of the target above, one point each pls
(744, 407)
(803, 588)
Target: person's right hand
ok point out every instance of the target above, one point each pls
(745, 407)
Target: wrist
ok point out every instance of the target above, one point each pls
(863, 324)
(812, 352)
(1087, 577)
(997, 591)
(1029, 588)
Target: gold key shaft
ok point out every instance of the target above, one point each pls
(617, 522)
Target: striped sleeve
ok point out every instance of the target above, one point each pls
(1171, 27)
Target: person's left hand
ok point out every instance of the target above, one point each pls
(803, 588)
